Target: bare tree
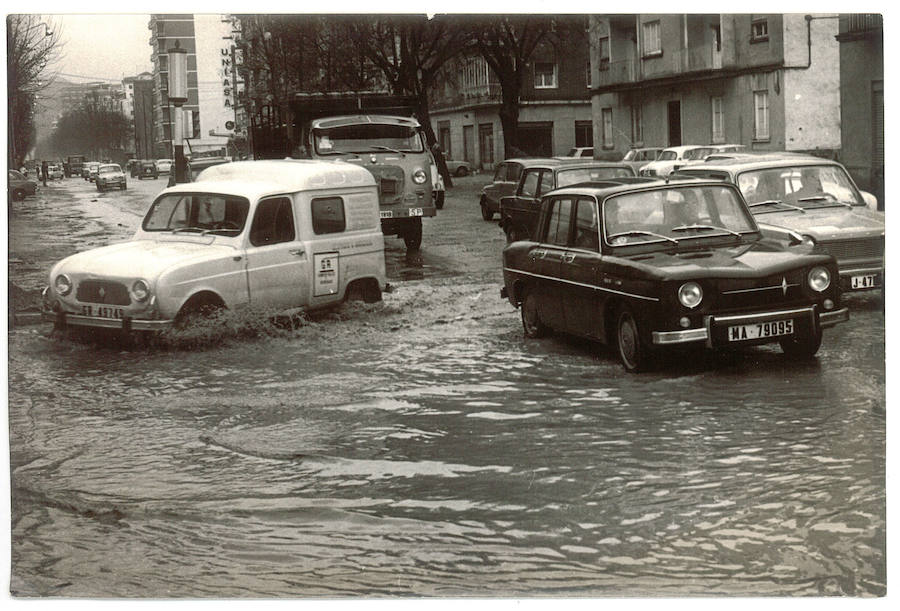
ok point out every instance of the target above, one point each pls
(507, 43)
(32, 45)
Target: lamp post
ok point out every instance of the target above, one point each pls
(178, 95)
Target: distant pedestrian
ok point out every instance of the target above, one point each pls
(44, 171)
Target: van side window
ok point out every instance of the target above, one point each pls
(530, 186)
(273, 222)
(328, 215)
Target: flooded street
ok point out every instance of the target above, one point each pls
(422, 446)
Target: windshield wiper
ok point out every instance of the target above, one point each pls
(378, 147)
(704, 227)
(337, 152)
(190, 228)
(771, 202)
(641, 232)
(824, 198)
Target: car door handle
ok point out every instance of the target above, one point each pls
(568, 257)
(535, 254)
(297, 252)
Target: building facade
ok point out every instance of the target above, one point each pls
(207, 39)
(861, 39)
(767, 81)
(554, 109)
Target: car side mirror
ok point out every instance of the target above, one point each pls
(871, 200)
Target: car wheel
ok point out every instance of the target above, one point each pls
(802, 348)
(412, 237)
(634, 355)
(18, 195)
(462, 171)
(486, 213)
(532, 324)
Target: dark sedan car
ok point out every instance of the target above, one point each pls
(663, 264)
(816, 200)
(146, 169)
(18, 186)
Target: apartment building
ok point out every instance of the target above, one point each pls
(554, 111)
(861, 39)
(768, 81)
(210, 105)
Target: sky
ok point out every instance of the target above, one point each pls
(102, 46)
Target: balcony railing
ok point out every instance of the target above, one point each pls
(863, 22)
(669, 63)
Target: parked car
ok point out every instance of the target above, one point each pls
(110, 175)
(279, 235)
(668, 159)
(519, 211)
(813, 200)
(89, 171)
(581, 151)
(505, 180)
(639, 157)
(147, 169)
(653, 266)
(55, 172)
(164, 166)
(195, 166)
(700, 155)
(19, 186)
(459, 168)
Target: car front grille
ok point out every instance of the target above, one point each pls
(857, 248)
(769, 292)
(102, 291)
(390, 183)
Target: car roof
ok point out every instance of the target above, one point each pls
(615, 186)
(686, 147)
(762, 162)
(259, 178)
(110, 165)
(356, 119)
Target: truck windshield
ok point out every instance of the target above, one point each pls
(198, 212)
(368, 138)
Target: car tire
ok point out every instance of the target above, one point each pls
(412, 237)
(462, 171)
(486, 213)
(532, 324)
(633, 354)
(18, 195)
(802, 348)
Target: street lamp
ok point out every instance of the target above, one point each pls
(178, 95)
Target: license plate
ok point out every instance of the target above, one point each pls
(760, 330)
(387, 214)
(863, 282)
(101, 312)
(415, 212)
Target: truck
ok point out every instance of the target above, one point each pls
(73, 165)
(376, 131)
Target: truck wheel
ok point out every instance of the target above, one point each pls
(486, 213)
(802, 348)
(439, 200)
(412, 235)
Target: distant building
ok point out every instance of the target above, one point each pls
(768, 81)
(142, 101)
(208, 41)
(861, 39)
(102, 95)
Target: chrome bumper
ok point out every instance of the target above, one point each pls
(825, 319)
(124, 324)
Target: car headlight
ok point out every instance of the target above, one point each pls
(419, 176)
(819, 279)
(809, 241)
(63, 285)
(140, 290)
(690, 294)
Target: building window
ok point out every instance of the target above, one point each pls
(652, 41)
(637, 124)
(444, 139)
(584, 133)
(718, 120)
(760, 115)
(759, 30)
(603, 43)
(606, 117)
(544, 75)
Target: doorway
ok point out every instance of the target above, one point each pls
(675, 123)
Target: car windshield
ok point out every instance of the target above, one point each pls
(799, 187)
(698, 153)
(667, 156)
(576, 175)
(109, 169)
(368, 138)
(675, 214)
(198, 213)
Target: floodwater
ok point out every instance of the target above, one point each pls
(422, 447)
(385, 451)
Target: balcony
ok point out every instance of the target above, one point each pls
(669, 63)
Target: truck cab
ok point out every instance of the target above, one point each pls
(394, 150)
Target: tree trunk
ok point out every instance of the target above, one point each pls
(509, 120)
(424, 116)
